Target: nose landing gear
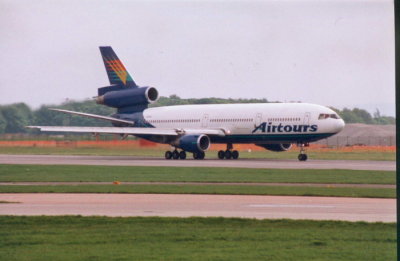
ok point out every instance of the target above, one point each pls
(303, 156)
(228, 153)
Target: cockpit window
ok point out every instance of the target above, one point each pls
(335, 116)
(323, 116)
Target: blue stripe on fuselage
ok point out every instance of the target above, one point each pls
(273, 138)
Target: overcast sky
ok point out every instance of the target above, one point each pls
(333, 53)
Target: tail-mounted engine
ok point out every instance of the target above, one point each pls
(276, 147)
(124, 98)
(123, 93)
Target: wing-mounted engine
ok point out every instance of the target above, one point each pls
(193, 143)
(276, 147)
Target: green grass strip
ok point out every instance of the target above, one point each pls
(9, 173)
(197, 189)
(155, 152)
(101, 238)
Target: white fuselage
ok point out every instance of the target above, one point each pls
(251, 123)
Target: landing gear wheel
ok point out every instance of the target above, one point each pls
(198, 155)
(175, 154)
(235, 154)
(168, 155)
(221, 154)
(228, 154)
(182, 155)
(302, 157)
(201, 155)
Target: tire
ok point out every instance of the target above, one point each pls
(221, 154)
(195, 156)
(182, 155)
(201, 155)
(235, 154)
(168, 155)
(302, 157)
(228, 154)
(175, 154)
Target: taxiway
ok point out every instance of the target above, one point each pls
(167, 205)
(241, 163)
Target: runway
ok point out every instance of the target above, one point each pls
(240, 163)
(167, 205)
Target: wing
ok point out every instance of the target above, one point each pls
(131, 130)
(125, 130)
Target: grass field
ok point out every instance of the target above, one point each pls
(101, 238)
(15, 173)
(154, 152)
(203, 189)
(70, 173)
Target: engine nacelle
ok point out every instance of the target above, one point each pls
(194, 143)
(276, 147)
(128, 97)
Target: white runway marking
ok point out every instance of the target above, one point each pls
(288, 206)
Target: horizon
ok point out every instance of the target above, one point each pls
(268, 101)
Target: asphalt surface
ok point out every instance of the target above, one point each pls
(167, 205)
(240, 163)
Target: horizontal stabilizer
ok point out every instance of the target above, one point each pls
(99, 117)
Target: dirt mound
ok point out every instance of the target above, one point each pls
(363, 134)
(366, 130)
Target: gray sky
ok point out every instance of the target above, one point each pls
(333, 53)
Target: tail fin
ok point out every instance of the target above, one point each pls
(117, 74)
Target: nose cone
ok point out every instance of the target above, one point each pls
(339, 125)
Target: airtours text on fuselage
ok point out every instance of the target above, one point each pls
(270, 128)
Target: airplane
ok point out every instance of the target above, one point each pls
(193, 128)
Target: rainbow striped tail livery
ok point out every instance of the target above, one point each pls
(116, 71)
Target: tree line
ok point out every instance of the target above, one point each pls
(14, 117)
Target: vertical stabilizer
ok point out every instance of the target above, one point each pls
(116, 71)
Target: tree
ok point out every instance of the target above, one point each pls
(379, 119)
(14, 117)
(3, 123)
(364, 115)
(17, 116)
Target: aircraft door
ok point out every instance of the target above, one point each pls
(258, 119)
(306, 118)
(204, 121)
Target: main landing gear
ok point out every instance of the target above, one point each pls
(199, 155)
(303, 156)
(175, 154)
(228, 153)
